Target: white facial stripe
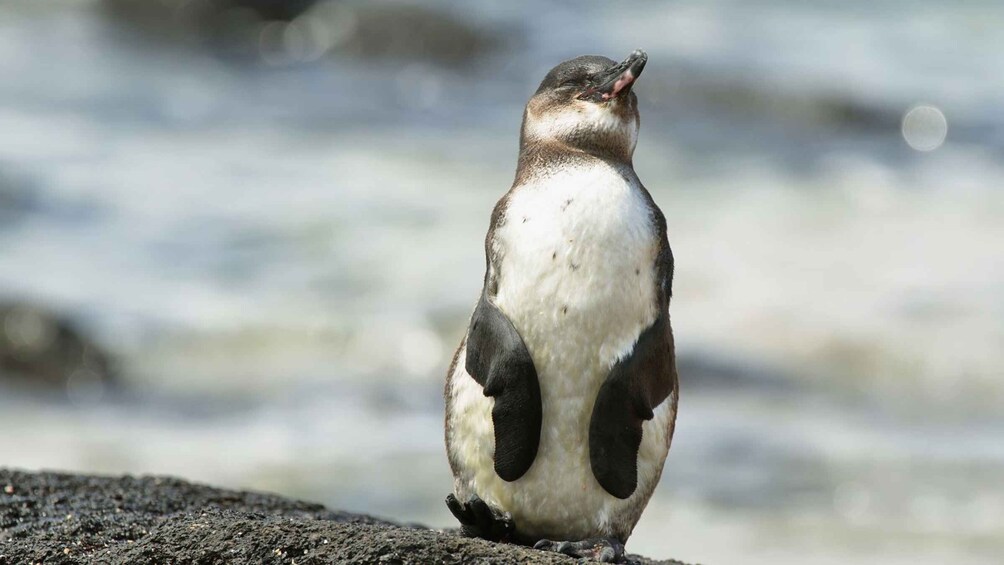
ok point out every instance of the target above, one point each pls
(579, 117)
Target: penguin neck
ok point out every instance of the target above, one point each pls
(540, 157)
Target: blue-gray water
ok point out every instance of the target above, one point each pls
(283, 254)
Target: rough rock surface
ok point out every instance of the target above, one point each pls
(56, 518)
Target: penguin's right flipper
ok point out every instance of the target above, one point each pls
(636, 385)
(497, 358)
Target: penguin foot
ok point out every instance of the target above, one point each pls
(606, 550)
(479, 520)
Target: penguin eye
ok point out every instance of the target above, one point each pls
(570, 82)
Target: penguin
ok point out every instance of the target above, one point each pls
(561, 399)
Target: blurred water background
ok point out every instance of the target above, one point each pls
(239, 240)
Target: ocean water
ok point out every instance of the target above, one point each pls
(282, 254)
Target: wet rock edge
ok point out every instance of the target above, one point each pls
(67, 518)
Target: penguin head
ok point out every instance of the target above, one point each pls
(587, 103)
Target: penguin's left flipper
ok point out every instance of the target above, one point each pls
(635, 386)
(479, 520)
(497, 358)
(604, 550)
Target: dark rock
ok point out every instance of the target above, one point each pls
(411, 32)
(45, 350)
(304, 30)
(281, 10)
(753, 96)
(67, 519)
(231, 27)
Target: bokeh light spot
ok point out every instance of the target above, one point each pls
(925, 128)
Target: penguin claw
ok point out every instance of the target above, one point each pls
(478, 519)
(605, 550)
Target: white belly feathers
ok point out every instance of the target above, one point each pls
(577, 257)
(576, 276)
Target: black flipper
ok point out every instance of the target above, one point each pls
(498, 360)
(636, 385)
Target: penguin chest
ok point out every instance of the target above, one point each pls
(576, 270)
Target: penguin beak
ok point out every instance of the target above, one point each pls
(617, 80)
